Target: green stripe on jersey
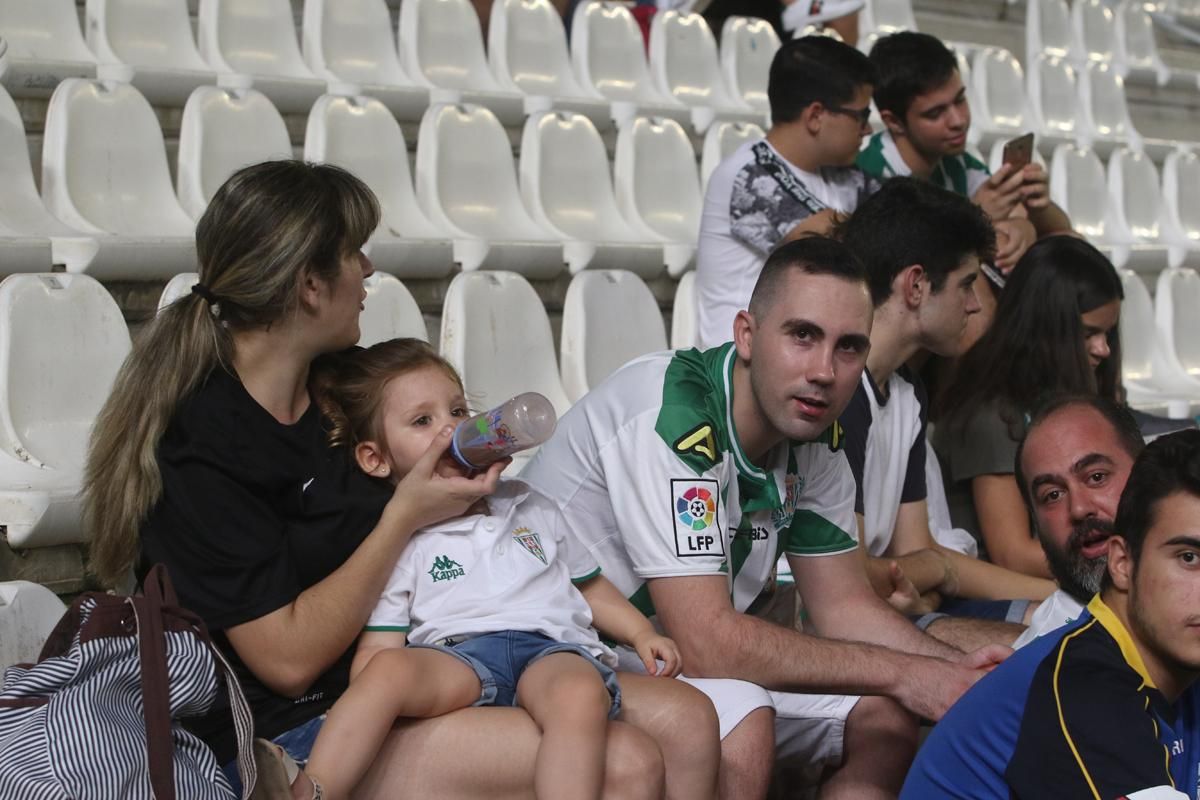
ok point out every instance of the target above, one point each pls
(642, 602)
(812, 535)
(692, 418)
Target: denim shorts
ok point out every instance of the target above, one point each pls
(298, 743)
(499, 659)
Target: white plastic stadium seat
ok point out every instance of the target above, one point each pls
(609, 318)
(496, 334)
(258, 38)
(1177, 297)
(28, 612)
(154, 37)
(467, 185)
(45, 45)
(351, 41)
(1104, 112)
(1053, 98)
(359, 134)
(1079, 187)
(748, 46)
(1181, 204)
(30, 237)
(1152, 376)
(886, 16)
(104, 172)
(389, 312)
(998, 107)
(658, 187)
(721, 139)
(3, 56)
(62, 340)
(441, 47)
(176, 288)
(683, 313)
(608, 55)
(567, 187)
(527, 50)
(1135, 203)
(1093, 31)
(223, 130)
(1047, 29)
(684, 65)
(1136, 49)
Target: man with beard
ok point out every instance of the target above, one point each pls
(1105, 707)
(1071, 469)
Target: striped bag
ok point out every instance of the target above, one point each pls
(95, 718)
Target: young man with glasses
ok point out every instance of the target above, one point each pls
(793, 181)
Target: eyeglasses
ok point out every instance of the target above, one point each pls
(863, 115)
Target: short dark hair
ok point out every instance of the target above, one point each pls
(1168, 465)
(815, 69)
(911, 221)
(814, 255)
(909, 64)
(1119, 418)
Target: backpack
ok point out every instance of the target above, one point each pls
(96, 717)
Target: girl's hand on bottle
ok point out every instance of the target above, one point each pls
(427, 496)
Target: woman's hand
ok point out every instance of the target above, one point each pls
(654, 647)
(429, 494)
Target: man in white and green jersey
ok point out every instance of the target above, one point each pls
(688, 473)
(923, 103)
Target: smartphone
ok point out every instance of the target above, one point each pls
(1019, 151)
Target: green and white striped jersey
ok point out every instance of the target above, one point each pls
(963, 173)
(648, 470)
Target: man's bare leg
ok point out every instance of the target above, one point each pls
(878, 746)
(747, 756)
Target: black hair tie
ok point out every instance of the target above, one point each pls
(205, 292)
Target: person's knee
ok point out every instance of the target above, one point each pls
(697, 719)
(879, 726)
(578, 692)
(634, 767)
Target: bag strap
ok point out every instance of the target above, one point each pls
(152, 654)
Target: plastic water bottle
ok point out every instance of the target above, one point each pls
(523, 422)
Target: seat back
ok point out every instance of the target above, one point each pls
(62, 340)
(999, 88)
(441, 44)
(887, 16)
(28, 612)
(1093, 29)
(1053, 94)
(1176, 301)
(683, 313)
(223, 130)
(527, 49)
(1102, 96)
(748, 46)
(720, 140)
(657, 184)
(1133, 40)
(21, 208)
(43, 30)
(1135, 195)
(1047, 29)
(1181, 196)
(144, 33)
(466, 180)
(608, 53)
(389, 312)
(609, 318)
(684, 62)
(1138, 335)
(255, 37)
(178, 287)
(351, 40)
(565, 178)
(496, 334)
(359, 134)
(1079, 187)
(104, 163)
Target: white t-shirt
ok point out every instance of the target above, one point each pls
(509, 570)
(650, 475)
(1055, 611)
(754, 198)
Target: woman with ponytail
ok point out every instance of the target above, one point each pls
(211, 458)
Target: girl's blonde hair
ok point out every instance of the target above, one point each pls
(348, 386)
(269, 227)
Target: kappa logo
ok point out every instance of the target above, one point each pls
(695, 507)
(446, 569)
(532, 543)
(700, 441)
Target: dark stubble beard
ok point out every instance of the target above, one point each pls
(1076, 575)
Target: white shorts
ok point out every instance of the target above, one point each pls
(809, 728)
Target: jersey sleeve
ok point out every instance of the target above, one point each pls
(856, 424)
(668, 494)
(914, 488)
(824, 521)
(393, 612)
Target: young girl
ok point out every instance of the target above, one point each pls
(495, 606)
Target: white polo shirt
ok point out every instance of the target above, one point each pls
(1055, 611)
(650, 474)
(511, 569)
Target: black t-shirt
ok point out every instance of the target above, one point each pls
(253, 512)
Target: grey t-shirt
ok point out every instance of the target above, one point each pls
(985, 444)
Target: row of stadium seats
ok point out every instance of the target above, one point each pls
(107, 206)
(67, 332)
(440, 57)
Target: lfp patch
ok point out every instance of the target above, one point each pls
(696, 512)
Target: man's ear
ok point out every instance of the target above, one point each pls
(812, 117)
(894, 124)
(371, 460)
(911, 284)
(743, 334)
(1120, 563)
